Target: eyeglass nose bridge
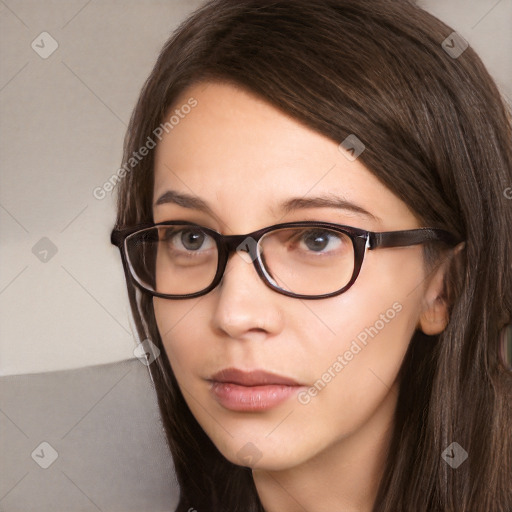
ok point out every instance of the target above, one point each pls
(235, 243)
(248, 243)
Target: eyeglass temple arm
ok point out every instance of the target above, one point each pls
(116, 237)
(410, 237)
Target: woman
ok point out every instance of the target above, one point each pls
(319, 247)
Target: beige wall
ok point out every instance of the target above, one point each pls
(62, 123)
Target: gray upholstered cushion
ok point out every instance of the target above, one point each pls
(103, 423)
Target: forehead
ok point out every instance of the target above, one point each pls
(237, 134)
(244, 157)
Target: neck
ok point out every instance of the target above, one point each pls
(345, 477)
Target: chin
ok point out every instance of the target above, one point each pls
(261, 453)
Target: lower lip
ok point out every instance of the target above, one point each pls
(251, 398)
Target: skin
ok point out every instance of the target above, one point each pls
(244, 157)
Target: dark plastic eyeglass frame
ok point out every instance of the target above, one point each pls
(226, 244)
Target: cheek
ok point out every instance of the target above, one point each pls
(173, 322)
(364, 349)
(384, 304)
(366, 334)
(352, 378)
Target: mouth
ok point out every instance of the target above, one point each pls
(251, 391)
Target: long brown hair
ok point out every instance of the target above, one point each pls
(437, 134)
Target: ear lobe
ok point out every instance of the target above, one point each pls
(434, 318)
(435, 314)
(437, 297)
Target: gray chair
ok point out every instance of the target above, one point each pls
(84, 440)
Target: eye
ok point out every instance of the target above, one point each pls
(192, 240)
(187, 239)
(320, 240)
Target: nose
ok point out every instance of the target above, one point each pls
(245, 304)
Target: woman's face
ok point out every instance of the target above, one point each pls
(244, 159)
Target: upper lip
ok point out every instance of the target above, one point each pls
(251, 378)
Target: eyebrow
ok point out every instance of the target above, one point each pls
(185, 200)
(324, 201)
(288, 206)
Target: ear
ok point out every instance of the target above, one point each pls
(434, 316)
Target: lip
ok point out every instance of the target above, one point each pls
(251, 378)
(251, 391)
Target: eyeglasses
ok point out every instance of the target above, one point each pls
(307, 259)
